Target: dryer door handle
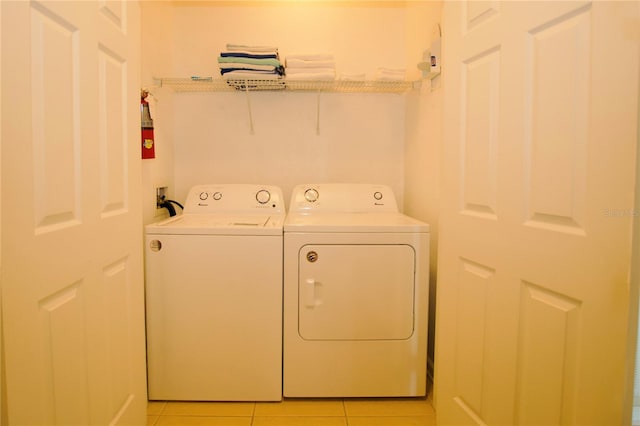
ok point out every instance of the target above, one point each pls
(310, 292)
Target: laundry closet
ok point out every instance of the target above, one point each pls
(285, 138)
(522, 156)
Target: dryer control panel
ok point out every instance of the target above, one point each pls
(343, 197)
(234, 198)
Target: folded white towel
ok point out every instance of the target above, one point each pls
(353, 77)
(292, 71)
(391, 70)
(312, 76)
(250, 48)
(390, 74)
(389, 78)
(304, 63)
(312, 56)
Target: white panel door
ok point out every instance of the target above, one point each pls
(73, 299)
(541, 127)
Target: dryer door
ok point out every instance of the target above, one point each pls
(356, 292)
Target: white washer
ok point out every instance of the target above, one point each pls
(214, 297)
(355, 294)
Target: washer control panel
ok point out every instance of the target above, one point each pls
(338, 197)
(234, 198)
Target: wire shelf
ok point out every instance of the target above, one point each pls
(337, 86)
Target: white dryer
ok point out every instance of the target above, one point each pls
(214, 297)
(355, 294)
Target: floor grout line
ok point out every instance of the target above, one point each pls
(161, 408)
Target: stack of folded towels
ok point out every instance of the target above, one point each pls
(243, 62)
(311, 66)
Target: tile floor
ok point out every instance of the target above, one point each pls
(306, 412)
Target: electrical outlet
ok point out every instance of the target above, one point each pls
(161, 194)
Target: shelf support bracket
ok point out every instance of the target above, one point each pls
(246, 89)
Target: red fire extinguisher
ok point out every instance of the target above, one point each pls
(148, 144)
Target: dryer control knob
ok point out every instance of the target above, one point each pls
(217, 195)
(311, 195)
(377, 195)
(203, 196)
(263, 196)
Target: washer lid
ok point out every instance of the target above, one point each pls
(353, 222)
(219, 224)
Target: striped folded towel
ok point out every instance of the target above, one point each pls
(250, 55)
(240, 65)
(252, 61)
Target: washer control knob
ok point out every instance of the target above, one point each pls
(204, 196)
(377, 195)
(217, 195)
(311, 195)
(263, 196)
